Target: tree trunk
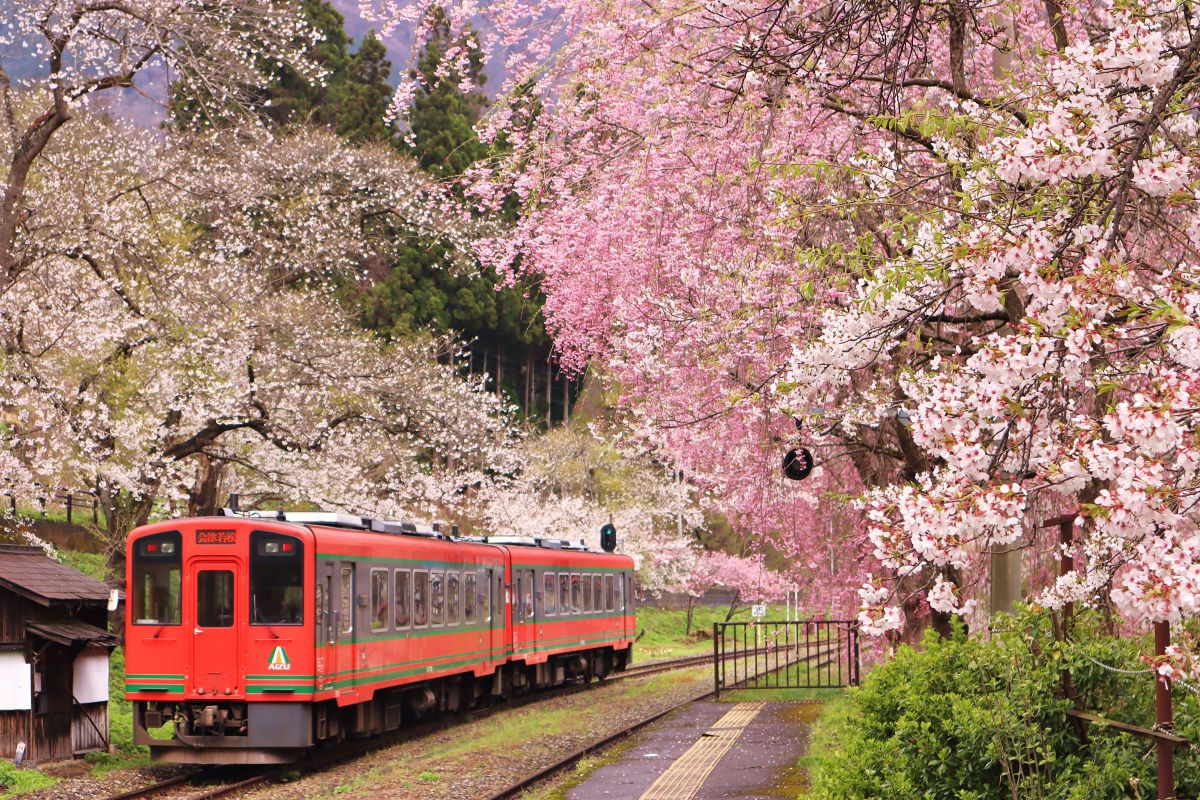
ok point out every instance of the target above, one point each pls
(733, 605)
(687, 628)
(205, 496)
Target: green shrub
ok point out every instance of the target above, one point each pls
(968, 719)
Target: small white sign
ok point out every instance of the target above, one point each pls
(758, 611)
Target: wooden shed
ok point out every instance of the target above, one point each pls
(54, 649)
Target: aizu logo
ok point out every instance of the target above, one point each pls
(279, 661)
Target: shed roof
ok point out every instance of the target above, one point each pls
(70, 632)
(29, 572)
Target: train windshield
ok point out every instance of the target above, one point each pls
(276, 579)
(154, 592)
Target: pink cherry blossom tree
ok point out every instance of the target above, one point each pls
(957, 242)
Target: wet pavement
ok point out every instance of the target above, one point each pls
(710, 751)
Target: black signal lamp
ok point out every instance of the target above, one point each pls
(797, 464)
(608, 537)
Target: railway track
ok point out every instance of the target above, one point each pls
(174, 787)
(571, 759)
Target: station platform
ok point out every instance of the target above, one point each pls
(710, 751)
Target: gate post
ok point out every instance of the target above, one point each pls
(1162, 709)
(716, 666)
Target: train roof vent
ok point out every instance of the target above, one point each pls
(264, 514)
(333, 518)
(525, 541)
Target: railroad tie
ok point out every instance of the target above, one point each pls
(683, 779)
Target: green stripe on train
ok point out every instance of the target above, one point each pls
(150, 676)
(433, 564)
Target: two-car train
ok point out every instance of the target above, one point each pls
(257, 637)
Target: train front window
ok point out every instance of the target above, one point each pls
(214, 599)
(276, 579)
(155, 590)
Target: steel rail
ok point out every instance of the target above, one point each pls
(428, 728)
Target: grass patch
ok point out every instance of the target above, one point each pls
(91, 564)
(664, 634)
(829, 733)
(16, 781)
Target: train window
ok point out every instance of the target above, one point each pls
(528, 597)
(586, 584)
(155, 590)
(379, 599)
(564, 593)
(214, 599)
(420, 598)
(319, 605)
(598, 592)
(276, 579)
(620, 593)
(346, 607)
(608, 592)
(453, 593)
(469, 599)
(485, 596)
(576, 595)
(403, 598)
(437, 598)
(548, 604)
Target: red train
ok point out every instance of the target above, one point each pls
(251, 638)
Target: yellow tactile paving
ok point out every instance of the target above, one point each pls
(683, 779)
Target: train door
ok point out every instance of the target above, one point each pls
(347, 627)
(213, 589)
(523, 612)
(480, 588)
(326, 626)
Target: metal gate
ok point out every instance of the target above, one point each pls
(810, 654)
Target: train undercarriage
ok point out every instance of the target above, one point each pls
(206, 732)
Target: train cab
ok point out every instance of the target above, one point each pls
(219, 635)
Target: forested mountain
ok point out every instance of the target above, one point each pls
(500, 325)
